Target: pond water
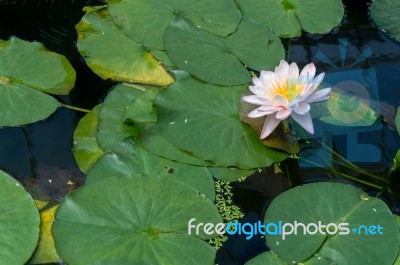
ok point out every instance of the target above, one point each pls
(39, 154)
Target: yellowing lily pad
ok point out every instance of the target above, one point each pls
(111, 54)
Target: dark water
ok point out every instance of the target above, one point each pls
(40, 156)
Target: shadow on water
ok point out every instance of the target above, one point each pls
(39, 155)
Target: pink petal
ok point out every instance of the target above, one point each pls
(302, 108)
(267, 77)
(320, 95)
(270, 108)
(308, 73)
(256, 89)
(269, 125)
(304, 120)
(283, 114)
(257, 81)
(256, 113)
(253, 99)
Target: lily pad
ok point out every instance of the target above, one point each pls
(112, 128)
(230, 173)
(27, 70)
(143, 219)
(154, 141)
(86, 150)
(129, 158)
(19, 222)
(385, 13)
(350, 214)
(218, 60)
(111, 54)
(137, 18)
(289, 17)
(46, 251)
(266, 258)
(203, 120)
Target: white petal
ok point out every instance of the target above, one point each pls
(267, 77)
(258, 90)
(269, 125)
(256, 113)
(282, 71)
(270, 108)
(253, 99)
(283, 114)
(257, 81)
(308, 73)
(302, 108)
(280, 101)
(314, 83)
(320, 95)
(304, 120)
(293, 71)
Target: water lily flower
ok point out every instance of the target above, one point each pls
(285, 93)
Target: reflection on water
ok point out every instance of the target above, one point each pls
(40, 154)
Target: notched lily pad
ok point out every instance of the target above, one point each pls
(148, 219)
(27, 72)
(111, 54)
(350, 211)
(206, 119)
(218, 60)
(138, 18)
(288, 17)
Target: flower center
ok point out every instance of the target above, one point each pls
(289, 89)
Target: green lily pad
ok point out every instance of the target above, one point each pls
(288, 17)
(385, 13)
(129, 158)
(266, 258)
(230, 173)
(142, 218)
(397, 121)
(19, 222)
(112, 128)
(27, 70)
(203, 119)
(142, 108)
(218, 60)
(138, 18)
(154, 141)
(111, 54)
(86, 150)
(348, 211)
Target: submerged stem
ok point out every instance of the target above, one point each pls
(74, 108)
